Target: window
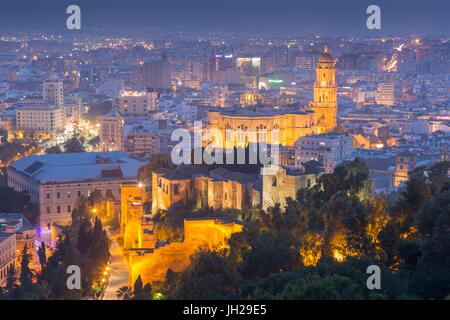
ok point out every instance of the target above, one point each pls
(69, 194)
(69, 209)
(48, 195)
(58, 209)
(58, 195)
(175, 189)
(79, 194)
(48, 210)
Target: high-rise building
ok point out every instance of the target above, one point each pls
(110, 132)
(249, 65)
(330, 149)
(386, 94)
(157, 73)
(136, 104)
(45, 118)
(72, 107)
(305, 61)
(218, 65)
(280, 56)
(140, 138)
(325, 92)
(292, 52)
(53, 92)
(267, 64)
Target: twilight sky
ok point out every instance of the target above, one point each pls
(324, 17)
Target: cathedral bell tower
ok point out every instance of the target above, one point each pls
(325, 93)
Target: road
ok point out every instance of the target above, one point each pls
(119, 270)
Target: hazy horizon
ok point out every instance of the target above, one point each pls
(281, 17)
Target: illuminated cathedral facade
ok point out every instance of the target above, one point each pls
(290, 125)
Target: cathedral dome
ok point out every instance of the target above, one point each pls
(325, 56)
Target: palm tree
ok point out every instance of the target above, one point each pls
(124, 293)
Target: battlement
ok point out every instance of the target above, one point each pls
(152, 263)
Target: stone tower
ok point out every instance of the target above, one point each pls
(325, 92)
(405, 162)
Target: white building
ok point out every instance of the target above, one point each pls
(146, 137)
(136, 104)
(7, 254)
(45, 118)
(73, 110)
(330, 149)
(7, 121)
(386, 94)
(24, 231)
(56, 181)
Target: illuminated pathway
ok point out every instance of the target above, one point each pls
(119, 270)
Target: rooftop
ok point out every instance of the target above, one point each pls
(183, 172)
(38, 107)
(259, 111)
(132, 93)
(327, 135)
(85, 166)
(14, 220)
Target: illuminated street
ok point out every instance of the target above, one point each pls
(119, 270)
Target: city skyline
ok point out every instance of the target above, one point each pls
(235, 151)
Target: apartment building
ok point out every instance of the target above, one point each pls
(45, 118)
(53, 92)
(386, 94)
(110, 131)
(136, 104)
(330, 149)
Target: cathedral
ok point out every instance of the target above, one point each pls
(290, 124)
(325, 93)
